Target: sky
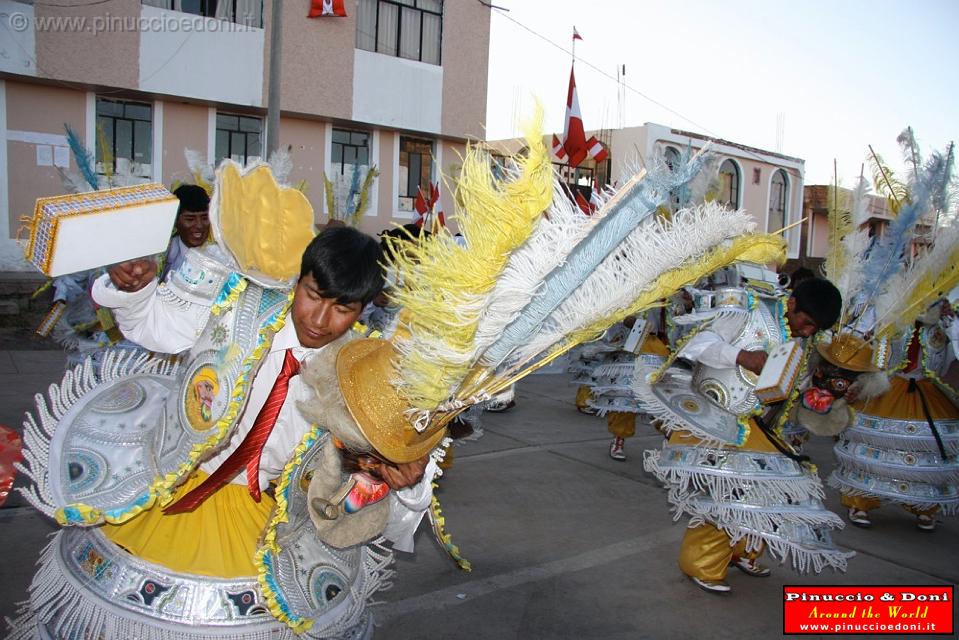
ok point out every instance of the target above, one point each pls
(838, 74)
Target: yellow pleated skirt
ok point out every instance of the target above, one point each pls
(218, 538)
(899, 404)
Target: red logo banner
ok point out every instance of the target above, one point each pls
(868, 610)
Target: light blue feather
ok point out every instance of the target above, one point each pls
(352, 200)
(886, 257)
(83, 158)
(642, 200)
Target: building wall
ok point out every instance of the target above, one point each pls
(222, 61)
(18, 48)
(306, 140)
(465, 68)
(190, 68)
(381, 211)
(317, 62)
(80, 55)
(35, 117)
(185, 126)
(636, 147)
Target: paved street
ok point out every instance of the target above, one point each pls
(564, 541)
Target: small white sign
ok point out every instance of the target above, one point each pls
(61, 157)
(44, 155)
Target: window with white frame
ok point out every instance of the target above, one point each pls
(778, 197)
(349, 148)
(239, 138)
(410, 29)
(672, 157)
(729, 184)
(246, 12)
(124, 137)
(415, 170)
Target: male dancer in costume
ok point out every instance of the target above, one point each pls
(904, 445)
(724, 464)
(179, 469)
(192, 226)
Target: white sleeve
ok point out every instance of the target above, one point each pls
(709, 348)
(153, 317)
(407, 507)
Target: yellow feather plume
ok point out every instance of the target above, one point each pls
(840, 225)
(443, 286)
(886, 184)
(932, 285)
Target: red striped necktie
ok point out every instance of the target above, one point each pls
(248, 453)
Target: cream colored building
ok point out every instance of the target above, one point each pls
(766, 184)
(400, 84)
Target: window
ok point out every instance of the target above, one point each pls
(729, 184)
(124, 137)
(238, 137)
(245, 12)
(410, 29)
(416, 169)
(500, 165)
(350, 148)
(778, 197)
(575, 177)
(671, 155)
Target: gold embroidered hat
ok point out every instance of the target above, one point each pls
(848, 351)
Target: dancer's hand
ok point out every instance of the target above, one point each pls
(133, 275)
(752, 360)
(403, 475)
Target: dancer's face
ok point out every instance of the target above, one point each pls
(319, 320)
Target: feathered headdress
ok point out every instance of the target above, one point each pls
(884, 287)
(351, 207)
(534, 278)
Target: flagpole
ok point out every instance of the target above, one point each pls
(574, 45)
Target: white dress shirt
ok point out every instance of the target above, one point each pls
(160, 324)
(711, 348)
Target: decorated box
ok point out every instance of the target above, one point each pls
(637, 335)
(81, 231)
(779, 374)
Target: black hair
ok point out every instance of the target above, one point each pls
(407, 233)
(192, 198)
(820, 300)
(345, 264)
(800, 274)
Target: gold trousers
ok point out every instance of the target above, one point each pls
(706, 551)
(621, 424)
(583, 394)
(865, 503)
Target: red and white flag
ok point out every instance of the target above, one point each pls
(558, 149)
(596, 150)
(574, 136)
(576, 35)
(425, 207)
(327, 8)
(574, 144)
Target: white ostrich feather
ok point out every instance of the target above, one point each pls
(653, 247)
(909, 292)
(562, 227)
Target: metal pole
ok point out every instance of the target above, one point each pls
(273, 104)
